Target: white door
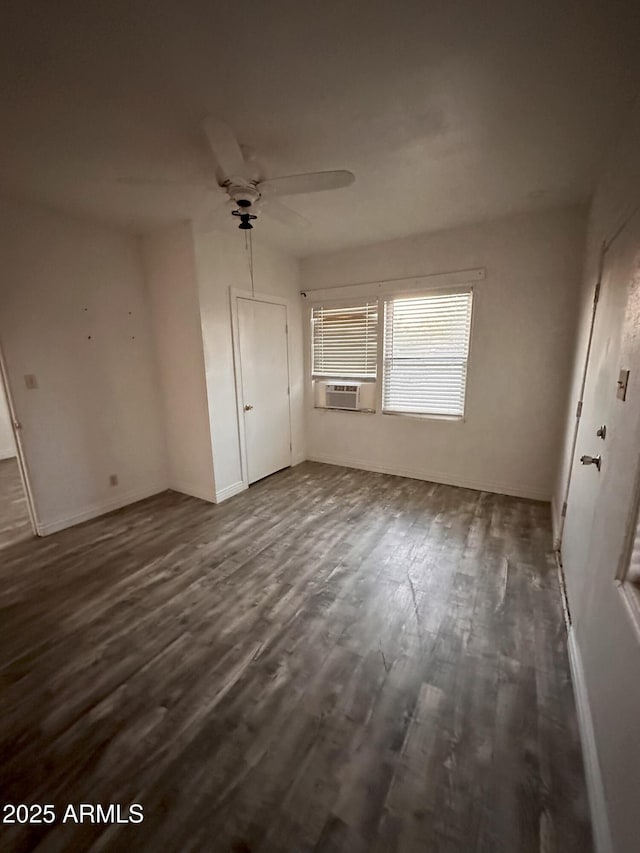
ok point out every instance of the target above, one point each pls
(264, 370)
(615, 504)
(606, 621)
(599, 397)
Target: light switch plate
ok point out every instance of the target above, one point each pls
(623, 381)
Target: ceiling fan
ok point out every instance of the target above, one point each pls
(243, 188)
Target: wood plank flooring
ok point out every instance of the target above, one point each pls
(335, 661)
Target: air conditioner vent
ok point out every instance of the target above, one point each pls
(339, 396)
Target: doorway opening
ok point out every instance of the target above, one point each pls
(17, 516)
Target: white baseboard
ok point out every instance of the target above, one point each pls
(7, 453)
(597, 802)
(230, 491)
(193, 490)
(436, 477)
(45, 528)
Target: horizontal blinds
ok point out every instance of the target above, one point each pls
(426, 346)
(345, 340)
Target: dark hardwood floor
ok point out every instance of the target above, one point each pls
(334, 661)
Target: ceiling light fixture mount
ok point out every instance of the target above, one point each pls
(245, 217)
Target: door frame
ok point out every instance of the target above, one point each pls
(586, 364)
(235, 294)
(23, 465)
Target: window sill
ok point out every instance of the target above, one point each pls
(348, 411)
(424, 417)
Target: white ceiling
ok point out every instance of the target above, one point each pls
(447, 112)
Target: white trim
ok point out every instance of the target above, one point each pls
(555, 524)
(94, 510)
(603, 841)
(230, 491)
(516, 490)
(193, 490)
(8, 453)
(397, 285)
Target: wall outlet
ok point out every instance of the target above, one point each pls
(30, 381)
(113, 479)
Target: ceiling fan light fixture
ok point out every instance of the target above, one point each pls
(245, 219)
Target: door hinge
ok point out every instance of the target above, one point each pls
(579, 409)
(563, 512)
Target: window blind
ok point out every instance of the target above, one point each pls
(345, 340)
(426, 345)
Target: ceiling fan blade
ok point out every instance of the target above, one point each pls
(161, 182)
(311, 182)
(225, 148)
(282, 213)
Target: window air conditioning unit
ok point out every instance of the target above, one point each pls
(343, 396)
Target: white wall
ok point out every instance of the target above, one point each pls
(606, 643)
(173, 289)
(222, 263)
(520, 360)
(7, 441)
(74, 312)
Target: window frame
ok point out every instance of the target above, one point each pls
(419, 294)
(381, 298)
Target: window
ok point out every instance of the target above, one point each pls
(345, 341)
(426, 345)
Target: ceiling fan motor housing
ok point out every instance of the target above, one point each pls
(243, 195)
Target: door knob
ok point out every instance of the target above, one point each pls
(248, 407)
(592, 460)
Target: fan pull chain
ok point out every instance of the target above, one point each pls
(253, 292)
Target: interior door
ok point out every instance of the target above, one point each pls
(615, 505)
(599, 397)
(607, 623)
(590, 504)
(264, 369)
